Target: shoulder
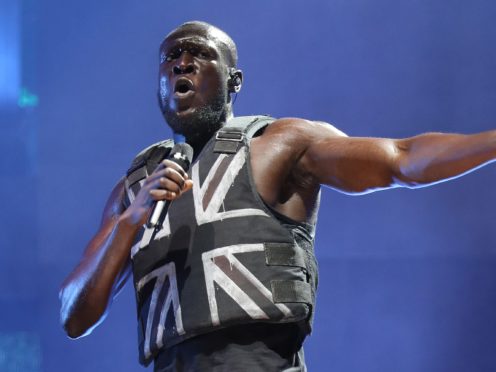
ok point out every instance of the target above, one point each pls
(301, 130)
(147, 153)
(115, 202)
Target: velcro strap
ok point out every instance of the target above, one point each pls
(136, 175)
(291, 291)
(284, 254)
(226, 147)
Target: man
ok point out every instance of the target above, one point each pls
(228, 281)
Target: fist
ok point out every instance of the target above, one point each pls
(167, 182)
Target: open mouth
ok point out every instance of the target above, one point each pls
(183, 86)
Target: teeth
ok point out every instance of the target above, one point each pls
(183, 86)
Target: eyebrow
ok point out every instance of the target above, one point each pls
(194, 42)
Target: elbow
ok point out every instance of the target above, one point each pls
(412, 177)
(404, 180)
(70, 323)
(76, 327)
(414, 171)
(75, 323)
(406, 173)
(73, 330)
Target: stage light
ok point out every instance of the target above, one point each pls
(27, 99)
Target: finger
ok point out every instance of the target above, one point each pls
(188, 185)
(167, 184)
(175, 176)
(170, 164)
(156, 175)
(167, 173)
(160, 166)
(159, 194)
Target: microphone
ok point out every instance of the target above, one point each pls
(182, 155)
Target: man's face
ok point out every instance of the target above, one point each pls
(193, 85)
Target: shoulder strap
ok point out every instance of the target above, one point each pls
(237, 131)
(143, 164)
(151, 155)
(147, 160)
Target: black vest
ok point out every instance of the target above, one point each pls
(222, 256)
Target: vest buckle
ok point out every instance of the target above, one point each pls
(229, 136)
(228, 141)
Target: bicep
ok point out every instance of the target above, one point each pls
(113, 209)
(355, 165)
(114, 206)
(327, 156)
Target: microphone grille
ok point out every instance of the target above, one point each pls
(182, 154)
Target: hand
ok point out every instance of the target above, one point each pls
(167, 182)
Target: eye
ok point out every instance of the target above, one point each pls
(199, 52)
(169, 57)
(173, 54)
(204, 54)
(194, 51)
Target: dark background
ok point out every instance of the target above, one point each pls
(408, 279)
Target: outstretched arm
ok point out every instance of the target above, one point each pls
(362, 165)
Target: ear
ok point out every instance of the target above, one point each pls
(235, 80)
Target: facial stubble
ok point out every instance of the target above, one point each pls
(202, 122)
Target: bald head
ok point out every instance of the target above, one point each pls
(223, 41)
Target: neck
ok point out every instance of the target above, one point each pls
(199, 142)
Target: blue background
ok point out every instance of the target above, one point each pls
(408, 278)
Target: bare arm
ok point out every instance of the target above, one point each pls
(87, 292)
(362, 165)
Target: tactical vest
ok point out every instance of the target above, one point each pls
(222, 257)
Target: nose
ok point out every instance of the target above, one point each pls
(184, 64)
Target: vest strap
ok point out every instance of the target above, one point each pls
(232, 135)
(158, 154)
(291, 291)
(284, 254)
(228, 140)
(137, 175)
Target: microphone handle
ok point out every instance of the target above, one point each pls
(158, 209)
